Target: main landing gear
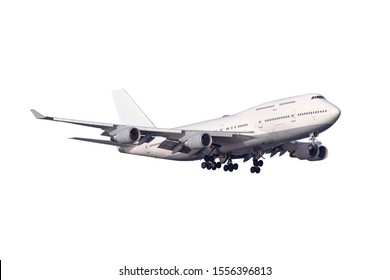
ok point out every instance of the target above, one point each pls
(256, 166)
(209, 163)
(230, 166)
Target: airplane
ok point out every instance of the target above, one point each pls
(270, 128)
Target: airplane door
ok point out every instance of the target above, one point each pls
(293, 116)
(222, 127)
(260, 122)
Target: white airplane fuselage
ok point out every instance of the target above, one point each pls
(268, 125)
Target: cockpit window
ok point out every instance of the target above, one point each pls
(318, 97)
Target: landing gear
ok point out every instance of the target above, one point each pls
(313, 136)
(258, 163)
(255, 169)
(209, 163)
(230, 166)
(256, 166)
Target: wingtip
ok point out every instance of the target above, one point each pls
(37, 114)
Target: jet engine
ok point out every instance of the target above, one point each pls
(310, 151)
(199, 141)
(127, 136)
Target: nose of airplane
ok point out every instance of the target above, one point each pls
(335, 112)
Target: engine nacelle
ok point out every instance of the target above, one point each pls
(310, 151)
(199, 141)
(127, 136)
(322, 153)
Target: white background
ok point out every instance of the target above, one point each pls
(74, 210)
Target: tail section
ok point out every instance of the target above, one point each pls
(128, 111)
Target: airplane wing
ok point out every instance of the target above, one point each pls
(103, 126)
(109, 128)
(175, 138)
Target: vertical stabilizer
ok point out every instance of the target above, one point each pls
(128, 111)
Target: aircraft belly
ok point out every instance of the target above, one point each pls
(296, 133)
(245, 146)
(262, 141)
(270, 140)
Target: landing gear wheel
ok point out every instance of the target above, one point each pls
(258, 163)
(255, 169)
(210, 163)
(229, 165)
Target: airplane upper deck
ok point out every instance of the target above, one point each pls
(284, 101)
